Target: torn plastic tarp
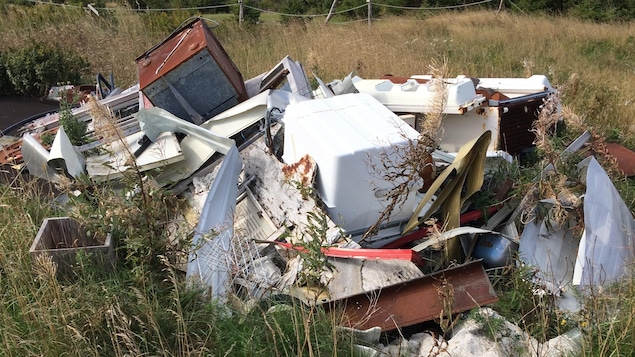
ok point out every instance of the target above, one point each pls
(606, 248)
(208, 261)
(603, 254)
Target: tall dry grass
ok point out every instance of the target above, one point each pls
(476, 44)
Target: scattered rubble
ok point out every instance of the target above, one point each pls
(276, 170)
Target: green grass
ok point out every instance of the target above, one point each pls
(142, 306)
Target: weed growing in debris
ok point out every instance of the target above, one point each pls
(314, 262)
(73, 127)
(528, 305)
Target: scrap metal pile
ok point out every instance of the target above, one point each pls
(280, 173)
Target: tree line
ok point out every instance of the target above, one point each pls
(595, 10)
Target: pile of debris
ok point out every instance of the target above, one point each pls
(334, 194)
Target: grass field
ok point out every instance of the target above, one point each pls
(477, 44)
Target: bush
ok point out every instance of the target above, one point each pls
(5, 85)
(74, 128)
(33, 69)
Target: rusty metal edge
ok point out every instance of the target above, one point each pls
(419, 300)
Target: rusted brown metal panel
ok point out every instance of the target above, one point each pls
(420, 300)
(515, 124)
(194, 63)
(624, 158)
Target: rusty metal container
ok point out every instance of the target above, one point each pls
(190, 74)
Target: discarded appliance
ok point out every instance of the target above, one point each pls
(505, 106)
(190, 75)
(286, 70)
(346, 135)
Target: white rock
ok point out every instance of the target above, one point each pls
(431, 346)
(567, 344)
(490, 336)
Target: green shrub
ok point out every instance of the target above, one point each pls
(33, 69)
(74, 128)
(5, 85)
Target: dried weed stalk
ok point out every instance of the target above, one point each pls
(561, 184)
(106, 127)
(405, 166)
(544, 127)
(597, 143)
(431, 131)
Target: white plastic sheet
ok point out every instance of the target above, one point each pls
(209, 258)
(606, 249)
(602, 255)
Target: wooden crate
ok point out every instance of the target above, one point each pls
(61, 239)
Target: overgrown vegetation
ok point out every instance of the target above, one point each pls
(143, 306)
(33, 69)
(74, 128)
